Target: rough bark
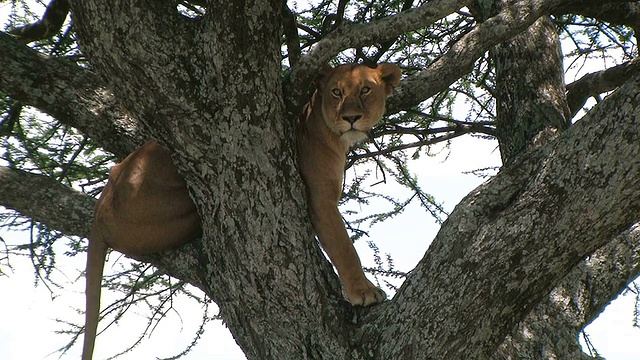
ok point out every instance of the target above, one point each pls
(530, 86)
(614, 12)
(599, 82)
(604, 128)
(513, 238)
(221, 112)
(551, 329)
(529, 104)
(45, 200)
(210, 91)
(509, 21)
(69, 93)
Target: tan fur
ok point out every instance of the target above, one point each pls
(144, 208)
(326, 132)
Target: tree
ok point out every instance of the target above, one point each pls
(517, 269)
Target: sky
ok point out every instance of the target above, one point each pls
(28, 314)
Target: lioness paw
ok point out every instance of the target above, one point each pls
(367, 295)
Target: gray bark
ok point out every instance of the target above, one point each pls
(210, 91)
(550, 331)
(45, 200)
(599, 82)
(221, 112)
(511, 20)
(530, 86)
(72, 95)
(532, 106)
(614, 12)
(509, 241)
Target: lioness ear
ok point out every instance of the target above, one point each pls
(390, 74)
(323, 74)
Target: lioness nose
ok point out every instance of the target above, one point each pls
(351, 118)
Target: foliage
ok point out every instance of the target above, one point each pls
(32, 141)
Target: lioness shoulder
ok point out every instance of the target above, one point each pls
(348, 102)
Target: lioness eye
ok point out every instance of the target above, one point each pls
(365, 90)
(336, 92)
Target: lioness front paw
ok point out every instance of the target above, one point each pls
(366, 295)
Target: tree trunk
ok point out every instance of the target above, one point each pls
(210, 90)
(532, 109)
(531, 102)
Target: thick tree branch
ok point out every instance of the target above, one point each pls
(604, 275)
(45, 200)
(613, 12)
(459, 60)
(50, 23)
(599, 82)
(511, 240)
(552, 328)
(530, 83)
(358, 35)
(72, 95)
(226, 126)
(165, 87)
(497, 256)
(290, 31)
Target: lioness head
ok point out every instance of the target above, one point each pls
(353, 97)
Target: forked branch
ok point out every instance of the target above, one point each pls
(599, 82)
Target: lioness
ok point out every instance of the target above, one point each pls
(349, 101)
(145, 206)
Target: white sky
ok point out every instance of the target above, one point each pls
(28, 314)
